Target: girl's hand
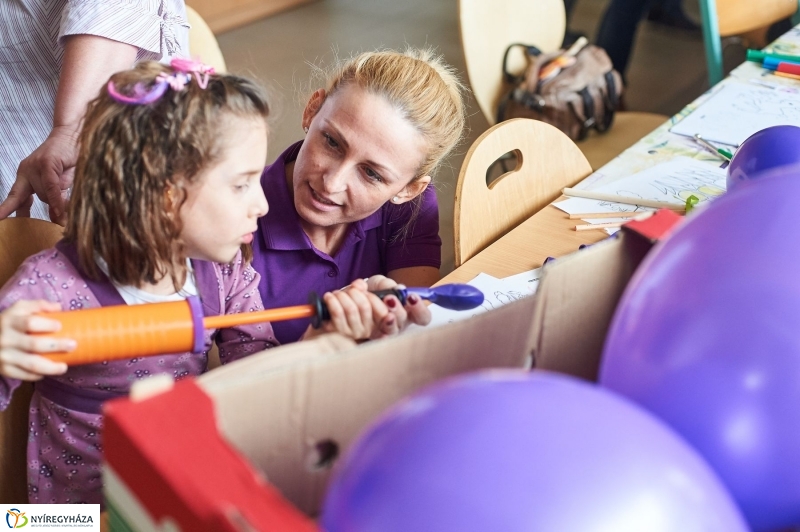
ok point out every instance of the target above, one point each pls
(354, 312)
(415, 310)
(18, 348)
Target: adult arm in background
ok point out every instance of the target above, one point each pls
(89, 61)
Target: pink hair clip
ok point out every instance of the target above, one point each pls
(190, 66)
(183, 70)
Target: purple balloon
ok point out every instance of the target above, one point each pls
(770, 148)
(514, 451)
(707, 337)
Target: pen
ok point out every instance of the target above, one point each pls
(724, 154)
(759, 56)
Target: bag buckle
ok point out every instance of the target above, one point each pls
(529, 99)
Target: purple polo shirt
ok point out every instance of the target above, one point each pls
(291, 267)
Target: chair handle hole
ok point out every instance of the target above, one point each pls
(506, 164)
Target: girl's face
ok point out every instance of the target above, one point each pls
(359, 153)
(224, 203)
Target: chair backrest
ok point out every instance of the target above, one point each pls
(546, 161)
(488, 28)
(202, 43)
(722, 18)
(19, 239)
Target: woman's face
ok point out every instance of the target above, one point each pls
(359, 153)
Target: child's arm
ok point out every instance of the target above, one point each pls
(240, 284)
(17, 345)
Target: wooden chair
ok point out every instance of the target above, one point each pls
(546, 161)
(202, 43)
(19, 239)
(488, 28)
(723, 18)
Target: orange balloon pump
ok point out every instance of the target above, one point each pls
(127, 331)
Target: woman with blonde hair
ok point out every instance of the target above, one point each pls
(352, 200)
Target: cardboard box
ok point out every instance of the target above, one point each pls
(285, 414)
(578, 294)
(196, 457)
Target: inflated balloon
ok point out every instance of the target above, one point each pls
(515, 451)
(707, 337)
(768, 149)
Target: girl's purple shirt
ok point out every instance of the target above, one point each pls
(64, 446)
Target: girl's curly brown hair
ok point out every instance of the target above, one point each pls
(134, 165)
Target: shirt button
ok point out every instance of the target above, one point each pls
(332, 273)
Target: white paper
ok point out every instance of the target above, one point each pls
(525, 282)
(672, 181)
(496, 293)
(737, 111)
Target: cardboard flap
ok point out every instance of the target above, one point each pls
(166, 465)
(235, 375)
(291, 416)
(577, 296)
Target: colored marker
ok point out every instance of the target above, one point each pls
(782, 66)
(759, 56)
(724, 154)
(785, 75)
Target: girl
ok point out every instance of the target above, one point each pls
(166, 200)
(353, 200)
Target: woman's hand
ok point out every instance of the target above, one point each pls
(415, 310)
(18, 347)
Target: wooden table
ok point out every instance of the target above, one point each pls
(549, 232)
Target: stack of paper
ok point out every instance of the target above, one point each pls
(673, 181)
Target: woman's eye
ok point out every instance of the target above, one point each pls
(372, 174)
(242, 187)
(332, 143)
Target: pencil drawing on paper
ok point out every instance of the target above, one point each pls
(772, 104)
(679, 184)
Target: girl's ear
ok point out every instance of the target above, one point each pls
(412, 190)
(174, 197)
(312, 107)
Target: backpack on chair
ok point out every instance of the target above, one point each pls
(575, 90)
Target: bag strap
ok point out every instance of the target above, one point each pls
(610, 100)
(529, 50)
(207, 286)
(103, 290)
(585, 118)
